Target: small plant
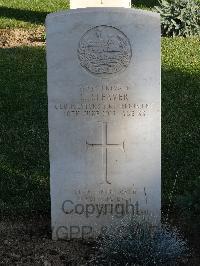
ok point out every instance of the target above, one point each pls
(135, 242)
(179, 17)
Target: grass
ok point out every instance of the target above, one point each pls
(180, 114)
(24, 163)
(28, 13)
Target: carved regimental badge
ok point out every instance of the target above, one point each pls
(104, 50)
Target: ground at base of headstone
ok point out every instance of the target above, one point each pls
(27, 241)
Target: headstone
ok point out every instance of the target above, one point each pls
(104, 118)
(99, 3)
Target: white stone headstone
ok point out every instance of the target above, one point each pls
(104, 117)
(99, 3)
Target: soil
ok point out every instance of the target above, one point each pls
(28, 242)
(21, 37)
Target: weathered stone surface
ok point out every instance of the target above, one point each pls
(99, 3)
(104, 117)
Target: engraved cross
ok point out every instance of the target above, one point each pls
(105, 145)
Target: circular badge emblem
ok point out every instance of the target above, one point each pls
(104, 50)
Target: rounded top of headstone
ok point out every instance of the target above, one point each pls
(95, 10)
